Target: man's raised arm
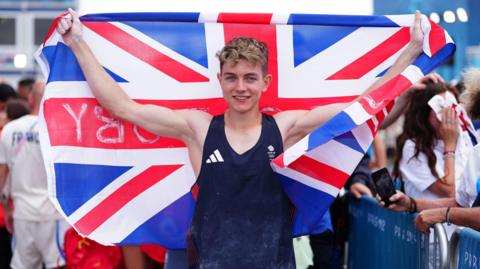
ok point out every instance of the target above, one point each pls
(302, 123)
(181, 124)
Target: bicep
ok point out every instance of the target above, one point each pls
(305, 121)
(314, 118)
(164, 121)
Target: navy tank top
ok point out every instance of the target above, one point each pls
(242, 215)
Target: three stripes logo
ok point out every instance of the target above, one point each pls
(215, 157)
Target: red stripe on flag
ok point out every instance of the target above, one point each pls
(254, 18)
(374, 57)
(383, 95)
(319, 171)
(67, 126)
(123, 195)
(65, 129)
(380, 117)
(145, 53)
(278, 161)
(437, 38)
(268, 34)
(371, 126)
(390, 106)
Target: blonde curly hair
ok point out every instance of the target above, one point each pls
(245, 48)
(471, 96)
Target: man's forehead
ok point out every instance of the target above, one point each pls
(243, 66)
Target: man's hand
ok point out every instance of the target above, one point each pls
(429, 217)
(400, 202)
(359, 189)
(70, 27)
(416, 34)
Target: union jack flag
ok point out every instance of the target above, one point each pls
(119, 184)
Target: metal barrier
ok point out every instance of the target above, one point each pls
(465, 249)
(440, 253)
(379, 238)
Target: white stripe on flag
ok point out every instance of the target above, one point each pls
(295, 151)
(113, 58)
(356, 112)
(53, 39)
(279, 19)
(68, 89)
(135, 213)
(364, 136)
(402, 20)
(448, 38)
(105, 192)
(334, 155)
(339, 55)
(375, 122)
(427, 30)
(306, 180)
(412, 73)
(161, 48)
(207, 17)
(117, 157)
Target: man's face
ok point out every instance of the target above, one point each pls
(242, 84)
(24, 91)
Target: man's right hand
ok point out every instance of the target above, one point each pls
(70, 27)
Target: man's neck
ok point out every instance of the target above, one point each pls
(242, 121)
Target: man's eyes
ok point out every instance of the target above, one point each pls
(249, 78)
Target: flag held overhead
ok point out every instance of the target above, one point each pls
(103, 172)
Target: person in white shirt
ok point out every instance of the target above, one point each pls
(454, 209)
(38, 227)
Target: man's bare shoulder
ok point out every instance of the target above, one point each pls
(286, 120)
(198, 121)
(195, 116)
(288, 117)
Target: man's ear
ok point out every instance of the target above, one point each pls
(267, 80)
(219, 77)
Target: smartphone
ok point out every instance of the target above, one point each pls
(384, 185)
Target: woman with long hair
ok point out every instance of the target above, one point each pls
(425, 160)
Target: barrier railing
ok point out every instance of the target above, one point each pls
(440, 247)
(465, 249)
(379, 238)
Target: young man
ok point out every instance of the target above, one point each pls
(242, 217)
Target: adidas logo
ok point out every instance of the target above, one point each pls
(215, 157)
